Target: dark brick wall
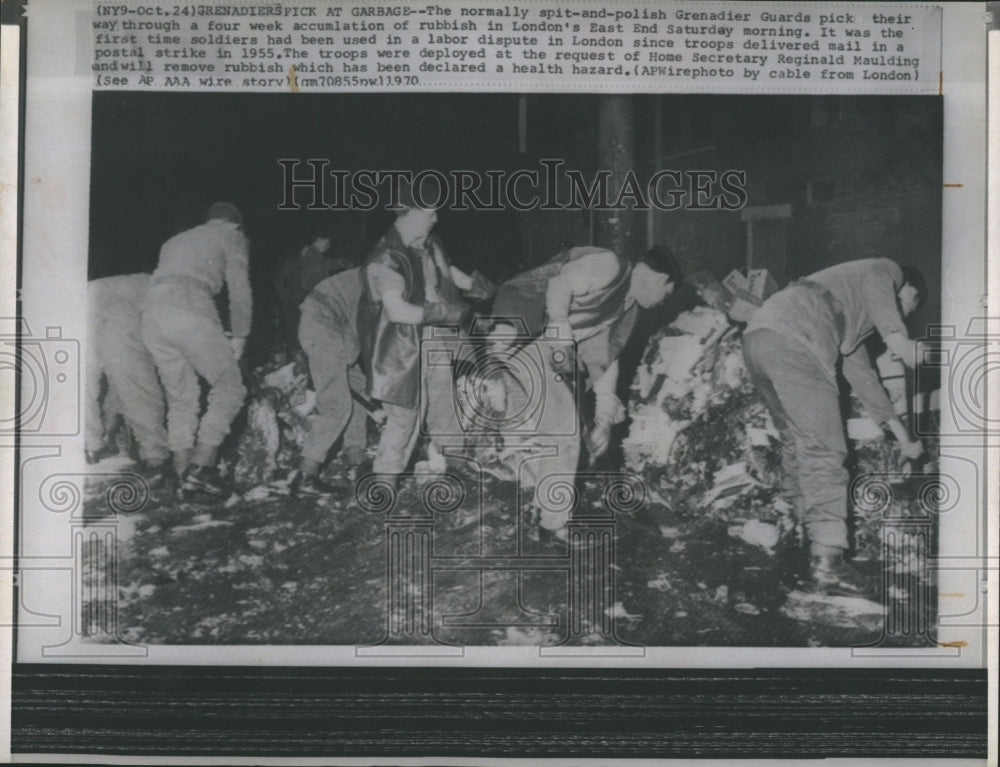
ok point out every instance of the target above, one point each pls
(876, 167)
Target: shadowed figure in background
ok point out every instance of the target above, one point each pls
(117, 353)
(793, 346)
(182, 330)
(588, 299)
(298, 275)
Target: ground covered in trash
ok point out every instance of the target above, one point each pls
(703, 552)
(300, 571)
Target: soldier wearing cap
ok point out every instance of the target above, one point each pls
(409, 286)
(182, 330)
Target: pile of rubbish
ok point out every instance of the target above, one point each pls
(277, 419)
(704, 441)
(699, 435)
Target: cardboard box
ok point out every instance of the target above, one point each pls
(761, 284)
(736, 281)
(710, 290)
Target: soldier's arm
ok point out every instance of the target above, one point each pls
(388, 285)
(901, 345)
(462, 280)
(864, 382)
(608, 406)
(879, 293)
(866, 385)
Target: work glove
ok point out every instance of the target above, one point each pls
(238, 344)
(444, 313)
(483, 287)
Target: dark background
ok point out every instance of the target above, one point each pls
(858, 177)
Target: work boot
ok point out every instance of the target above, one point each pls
(833, 576)
(311, 486)
(206, 479)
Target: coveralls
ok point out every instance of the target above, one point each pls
(327, 333)
(393, 350)
(183, 332)
(114, 306)
(601, 322)
(792, 346)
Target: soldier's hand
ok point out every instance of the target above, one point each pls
(482, 287)
(912, 449)
(599, 439)
(238, 344)
(444, 313)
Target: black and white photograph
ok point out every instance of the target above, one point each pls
(544, 370)
(497, 382)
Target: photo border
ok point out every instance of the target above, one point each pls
(64, 708)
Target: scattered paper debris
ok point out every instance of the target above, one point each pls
(757, 533)
(730, 480)
(660, 583)
(758, 437)
(863, 430)
(845, 612)
(201, 522)
(618, 611)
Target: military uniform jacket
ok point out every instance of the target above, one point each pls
(389, 350)
(601, 321)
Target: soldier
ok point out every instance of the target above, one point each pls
(299, 274)
(328, 335)
(117, 354)
(182, 330)
(590, 299)
(793, 346)
(409, 287)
